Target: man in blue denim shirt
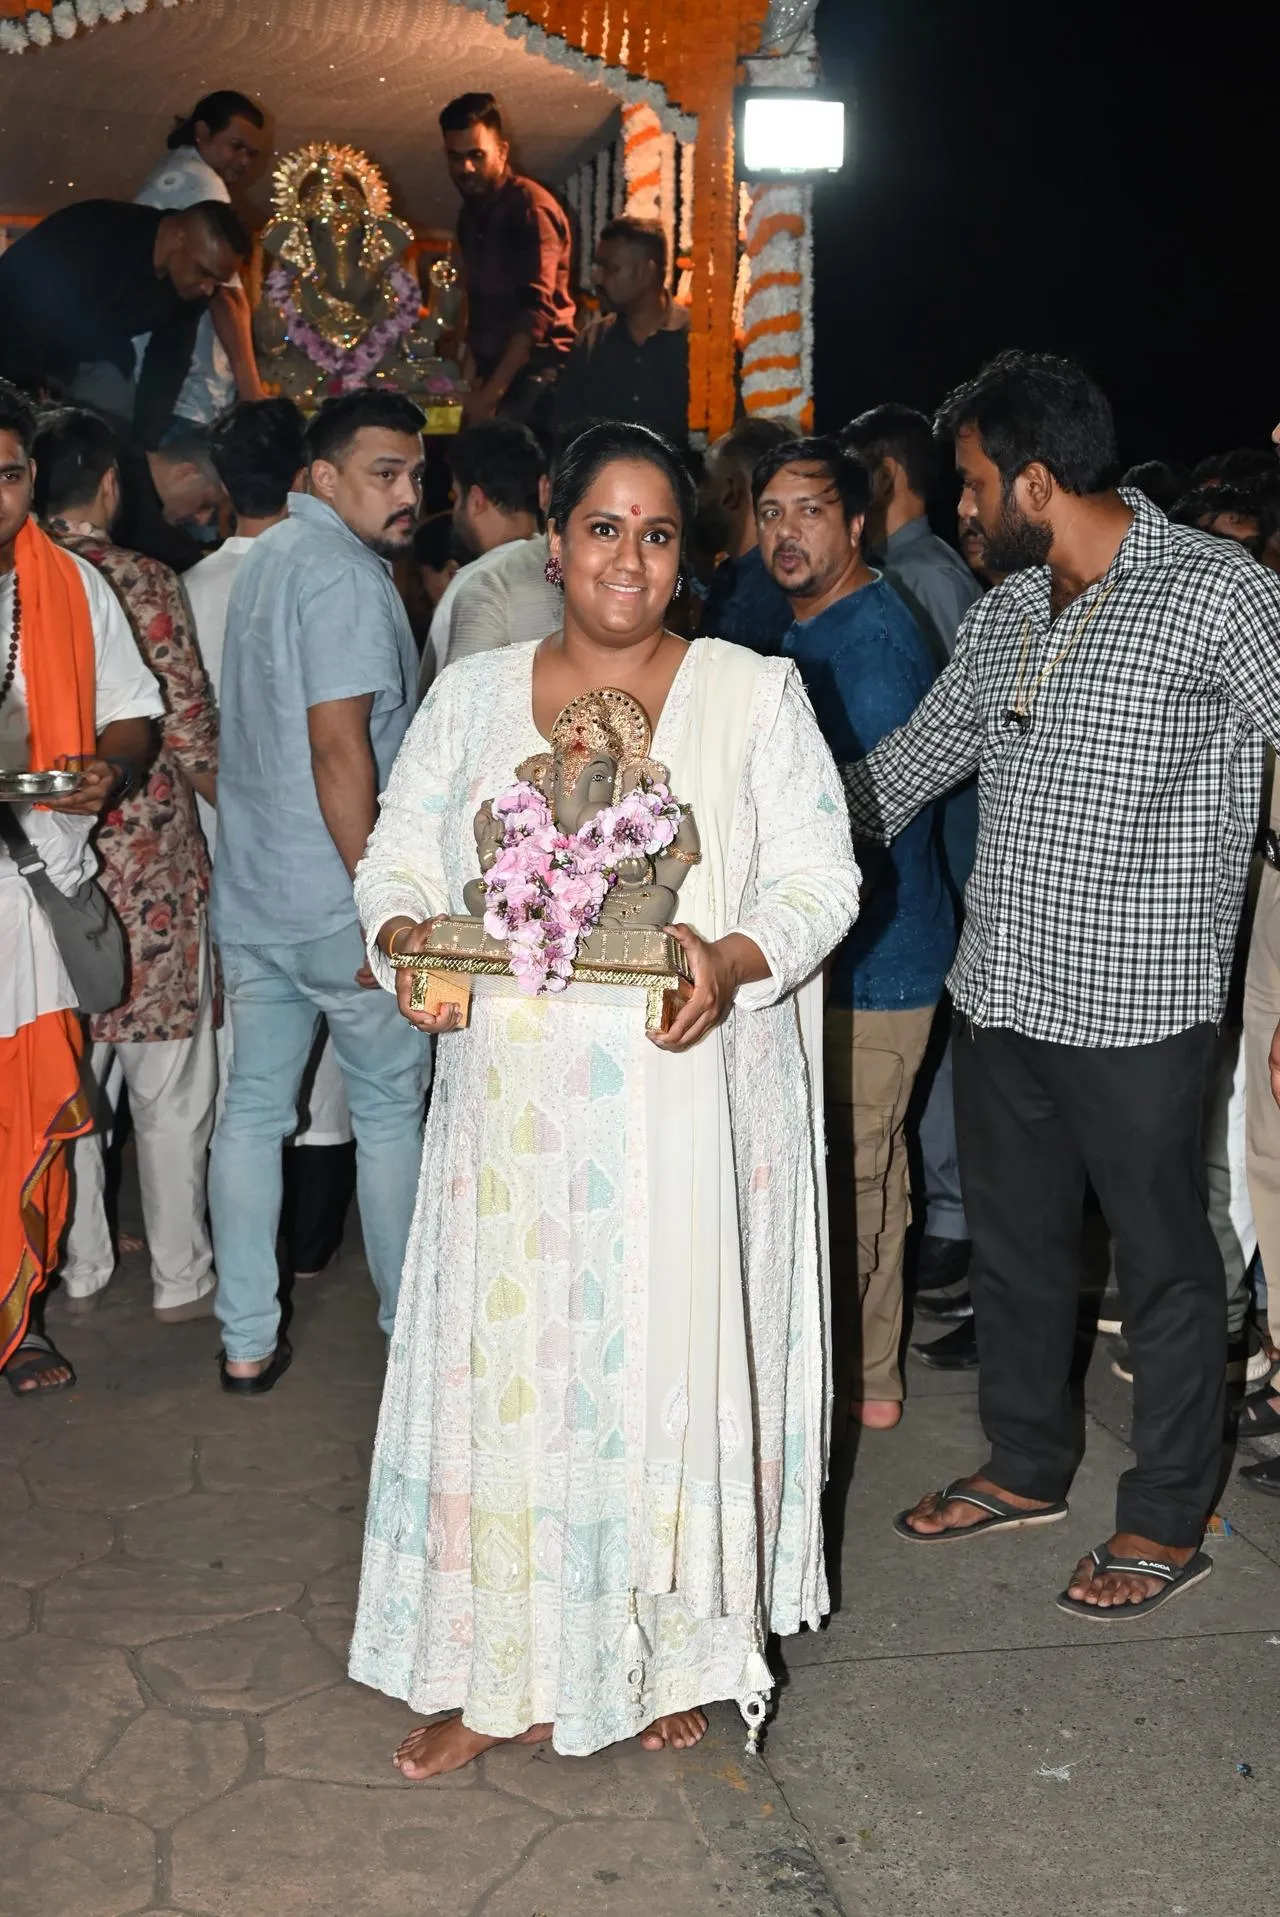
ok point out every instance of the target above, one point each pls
(867, 665)
(318, 686)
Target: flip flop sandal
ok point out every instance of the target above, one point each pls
(265, 1380)
(34, 1355)
(1177, 1578)
(1002, 1517)
(1258, 1418)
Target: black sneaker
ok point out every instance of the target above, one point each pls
(958, 1351)
(941, 1262)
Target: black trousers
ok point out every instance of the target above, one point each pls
(1034, 1120)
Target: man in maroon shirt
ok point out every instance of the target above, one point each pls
(515, 243)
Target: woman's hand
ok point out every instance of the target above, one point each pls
(719, 969)
(409, 937)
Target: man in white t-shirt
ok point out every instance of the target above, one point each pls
(73, 688)
(211, 150)
(260, 457)
(500, 493)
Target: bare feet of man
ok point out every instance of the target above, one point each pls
(678, 1730)
(447, 1745)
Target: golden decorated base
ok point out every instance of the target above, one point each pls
(640, 956)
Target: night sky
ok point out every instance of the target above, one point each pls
(1091, 180)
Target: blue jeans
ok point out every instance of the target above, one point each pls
(275, 995)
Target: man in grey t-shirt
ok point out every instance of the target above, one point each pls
(317, 690)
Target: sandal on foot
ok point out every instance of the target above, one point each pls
(265, 1380)
(1258, 1416)
(34, 1355)
(1176, 1577)
(1002, 1516)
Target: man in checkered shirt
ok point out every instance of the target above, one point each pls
(1113, 696)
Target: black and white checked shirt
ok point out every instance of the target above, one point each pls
(1115, 829)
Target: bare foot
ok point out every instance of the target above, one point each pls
(935, 1513)
(44, 1377)
(876, 1414)
(248, 1367)
(129, 1241)
(679, 1729)
(1106, 1589)
(447, 1745)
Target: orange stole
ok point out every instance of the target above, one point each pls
(42, 1100)
(58, 658)
(42, 1105)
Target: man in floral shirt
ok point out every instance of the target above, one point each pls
(155, 871)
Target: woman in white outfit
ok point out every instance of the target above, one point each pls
(603, 1436)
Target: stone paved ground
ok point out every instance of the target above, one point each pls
(177, 1572)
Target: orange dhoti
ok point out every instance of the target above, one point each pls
(42, 1106)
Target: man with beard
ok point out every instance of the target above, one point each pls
(500, 493)
(316, 693)
(1112, 695)
(866, 665)
(516, 245)
(633, 362)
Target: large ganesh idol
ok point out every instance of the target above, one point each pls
(339, 308)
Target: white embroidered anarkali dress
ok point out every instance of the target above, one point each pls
(603, 1437)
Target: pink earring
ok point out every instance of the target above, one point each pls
(554, 572)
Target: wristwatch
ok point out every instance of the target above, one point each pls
(126, 779)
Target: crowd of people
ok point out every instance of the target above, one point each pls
(982, 917)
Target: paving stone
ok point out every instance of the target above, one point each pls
(238, 1461)
(616, 1869)
(318, 1850)
(347, 1735)
(333, 1625)
(622, 1782)
(348, 1497)
(14, 1496)
(15, 1611)
(119, 1601)
(166, 1766)
(40, 1544)
(253, 1533)
(249, 1666)
(60, 1861)
(339, 1586)
(109, 1467)
(61, 1705)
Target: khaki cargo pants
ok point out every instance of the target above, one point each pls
(871, 1060)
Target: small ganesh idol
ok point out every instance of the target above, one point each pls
(580, 864)
(615, 822)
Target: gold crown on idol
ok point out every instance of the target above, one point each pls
(337, 186)
(603, 724)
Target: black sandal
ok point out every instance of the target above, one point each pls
(39, 1355)
(1258, 1416)
(1002, 1516)
(1262, 1477)
(266, 1380)
(1175, 1577)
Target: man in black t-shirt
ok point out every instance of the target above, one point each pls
(77, 289)
(633, 362)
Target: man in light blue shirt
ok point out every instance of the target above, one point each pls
(317, 690)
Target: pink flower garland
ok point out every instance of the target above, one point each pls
(350, 366)
(546, 887)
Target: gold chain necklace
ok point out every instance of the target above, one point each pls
(1025, 697)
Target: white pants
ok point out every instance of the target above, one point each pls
(172, 1087)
